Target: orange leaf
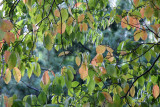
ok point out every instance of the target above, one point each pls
(108, 97)
(142, 12)
(57, 13)
(136, 2)
(9, 37)
(81, 17)
(100, 49)
(144, 34)
(60, 29)
(134, 22)
(70, 20)
(97, 80)
(83, 71)
(78, 61)
(93, 62)
(25, 1)
(53, 73)
(7, 77)
(124, 22)
(45, 78)
(81, 27)
(155, 91)
(17, 74)
(6, 25)
(6, 56)
(77, 4)
(85, 27)
(103, 70)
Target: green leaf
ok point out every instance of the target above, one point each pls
(69, 29)
(12, 60)
(29, 69)
(148, 56)
(48, 42)
(70, 75)
(91, 85)
(64, 14)
(111, 70)
(1, 35)
(75, 83)
(42, 98)
(37, 69)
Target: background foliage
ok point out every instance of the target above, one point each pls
(79, 53)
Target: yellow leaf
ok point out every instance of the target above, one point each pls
(70, 20)
(57, 13)
(100, 49)
(83, 71)
(60, 29)
(137, 35)
(45, 78)
(132, 91)
(124, 22)
(126, 88)
(110, 56)
(109, 49)
(155, 91)
(99, 58)
(6, 56)
(81, 17)
(17, 74)
(108, 97)
(78, 61)
(7, 76)
(63, 53)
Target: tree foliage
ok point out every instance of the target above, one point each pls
(116, 76)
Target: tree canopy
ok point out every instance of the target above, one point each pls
(124, 71)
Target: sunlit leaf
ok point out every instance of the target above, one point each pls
(99, 58)
(78, 61)
(83, 71)
(17, 74)
(137, 35)
(61, 28)
(108, 97)
(45, 78)
(64, 14)
(64, 53)
(132, 91)
(85, 26)
(7, 76)
(100, 49)
(70, 20)
(155, 91)
(110, 56)
(109, 49)
(90, 16)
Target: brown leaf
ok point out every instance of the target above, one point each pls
(6, 56)
(45, 78)
(155, 91)
(6, 25)
(108, 97)
(103, 70)
(109, 49)
(81, 17)
(85, 27)
(144, 34)
(70, 21)
(110, 56)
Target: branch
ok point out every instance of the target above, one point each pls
(30, 86)
(141, 76)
